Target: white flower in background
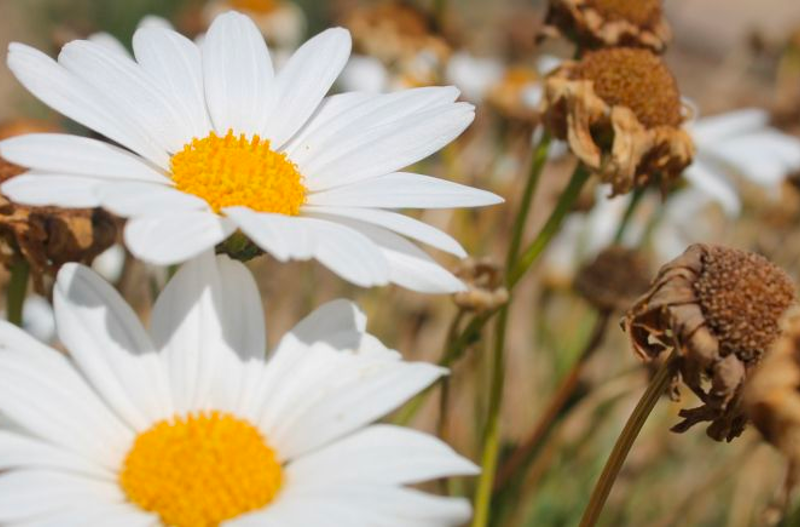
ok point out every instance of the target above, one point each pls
(364, 74)
(189, 425)
(473, 75)
(682, 222)
(282, 23)
(220, 142)
(110, 263)
(37, 318)
(740, 143)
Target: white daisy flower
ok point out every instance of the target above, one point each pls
(189, 425)
(218, 142)
(740, 143)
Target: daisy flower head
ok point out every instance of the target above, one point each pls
(189, 425)
(213, 140)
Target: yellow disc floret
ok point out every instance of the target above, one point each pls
(236, 171)
(201, 470)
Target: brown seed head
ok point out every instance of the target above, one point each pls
(641, 13)
(484, 280)
(614, 279)
(743, 297)
(637, 79)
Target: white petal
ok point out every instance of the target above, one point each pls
(237, 73)
(304, 81)
(67, 154)
(89, 512)
(711, 130)
(68, 94)
(41, 391)
(332, 318)
(715, 184)
(359, 505)
(175, 63)
(110, 42)
(30, 493)
(18, 451)
(401, 190)
(171, 238)
(241, 310)
(131, 91)
(345, 252)
(109, 344)
(34, 188)
(409, 266)
(380, 454)
(187, 327)
(345, 115)
(126, 199)
(364, 392)
(378, 150)
(396, 222)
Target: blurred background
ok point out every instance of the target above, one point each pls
(727, 55)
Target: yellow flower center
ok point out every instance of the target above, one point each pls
(201, 470)
(256, 6)
(234, 171)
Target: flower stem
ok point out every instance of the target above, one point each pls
(654, 391)
(17, 289)
(551, 228)
(515, 270)
(636, 199)
(561, 398)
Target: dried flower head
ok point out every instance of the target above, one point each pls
(621, 112)
(48, 237)
(396, 31)
(772, 393)
(615, 279)
(601, 23)
(721, 309)
(484, 281)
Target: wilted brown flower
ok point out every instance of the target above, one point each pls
(620, 110)
(614, 279)
(484, 280)
(396, 31)
(600, 23)
(48, 237)
(721, 309)
(772, 393)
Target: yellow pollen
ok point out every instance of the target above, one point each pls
(201, 470)
(234, 171)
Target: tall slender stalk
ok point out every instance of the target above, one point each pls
(654, 391)
(551, 228)
(516, 267)
(457, 343)
(555, 408)
(17, 289)
(636, 199)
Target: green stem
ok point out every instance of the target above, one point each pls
(515, 269)
(634, 425)
(456, 346)
(552, 227)
(17, 289)
(520, 458)
(636, 199)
